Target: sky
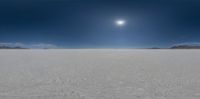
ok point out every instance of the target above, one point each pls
(92, 23)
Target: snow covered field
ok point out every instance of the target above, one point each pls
(99, 74)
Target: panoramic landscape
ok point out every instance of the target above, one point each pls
(99, 49)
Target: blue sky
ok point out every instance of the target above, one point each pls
(91, 23)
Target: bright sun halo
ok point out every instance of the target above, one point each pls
(120, 22)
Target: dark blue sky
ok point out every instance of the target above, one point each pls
(91, 23)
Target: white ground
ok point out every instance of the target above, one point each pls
(99, 74)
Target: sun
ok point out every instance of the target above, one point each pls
(120, 22)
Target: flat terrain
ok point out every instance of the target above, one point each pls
(99, 74)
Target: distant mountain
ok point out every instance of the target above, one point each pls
(186, 46)
(154, 48)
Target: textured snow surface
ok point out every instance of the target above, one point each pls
(99, 74)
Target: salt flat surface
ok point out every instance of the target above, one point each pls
(99, 74)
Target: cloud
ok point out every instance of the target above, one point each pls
(12, 44)
(32, 46)
(188, 43)
(43, 45)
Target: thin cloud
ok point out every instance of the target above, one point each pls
(32, 46)
(12, 44)
(43, 45)
(188, 43)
